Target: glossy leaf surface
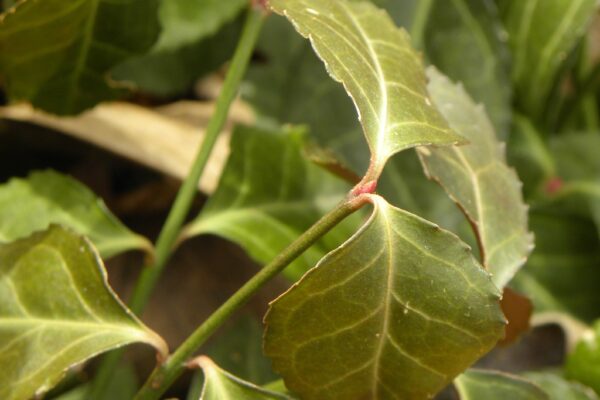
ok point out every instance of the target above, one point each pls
(268, 195)
(541, 34)
(363, 49)
(47, 197)
(57, 54)
(478, 179)
(56, 311)
(463, 39)
(490, 385)
(397, 311)
(221, 385)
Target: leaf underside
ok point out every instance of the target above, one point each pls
(57, 310)
(395, 312)
(478, 179)
(363, 49)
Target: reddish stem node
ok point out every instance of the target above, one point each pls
(260, 4)
(553, 185)
(365, 188)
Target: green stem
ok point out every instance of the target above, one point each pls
(165, 374)
(172, 228)
(180, 209)
(417, 29)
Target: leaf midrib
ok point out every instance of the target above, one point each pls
(383, 110)
(4, 322)
(386, 308)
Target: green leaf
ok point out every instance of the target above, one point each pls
(463, 40)
(578, 168)
(477, 178)
(530, 155)
(292, 86)
(541, 34)
(198, 36)
(239, 350)
(492, 385)
(187, 21)
(268, 195)
(57, 311)
(583, 364)
(404, 184)
(28, 205)
(562, 272)
(57, 54)
(123, 386)
(397, 311)
(363, 49)
(558, 388)
(221, 385)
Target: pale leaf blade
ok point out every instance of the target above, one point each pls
(164, 139)
(363, 316)
(58, 54)
(478, 179)
(492, 385)
(57, 311)
(221, 385)
(47, 197)
(363, 49)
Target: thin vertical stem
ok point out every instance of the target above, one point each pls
(172, 227)
(417, 29)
